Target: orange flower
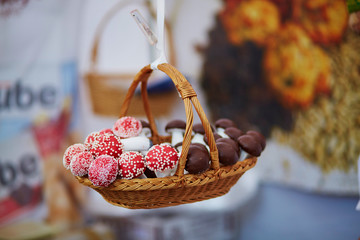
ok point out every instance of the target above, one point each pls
(324, 20)
(295, 68)
(252, 20)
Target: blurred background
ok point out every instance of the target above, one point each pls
(288, 69)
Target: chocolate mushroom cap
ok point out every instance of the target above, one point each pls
(233, 143)
(224, 123)
(198, 159)
(250, 145)
(259, 137)
(199, 128)
(145, 124)
(227, 154)
(216, 136)
(177, 129)
(175, 124)
(233, 132)
(202, 146)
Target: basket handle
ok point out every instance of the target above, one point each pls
(190, 99)
(109, 15)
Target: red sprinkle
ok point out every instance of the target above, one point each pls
(105, 144)
(131, 165)
(72, 151)
(80, 163)
(161, 157)
(127, 127)
(103, 170)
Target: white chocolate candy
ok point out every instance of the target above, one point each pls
(138, 143)
(198, 138)
(177, 129)
(221, 132)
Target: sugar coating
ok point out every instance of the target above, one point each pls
(131, 165)
(161, 157)
(80, 163)
(105, 144)
(103, 170)
(91, 138)
(72, 151)
(127, 127)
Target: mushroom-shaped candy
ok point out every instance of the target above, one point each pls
(227, 154)
(199, 131)
(233, 132)
(223, 123)
(259, 137)
(161, 159)
(198, 159)
(177, 129)
(126, 127)
(80, 163)
(104, 144)
(100, 143)
(233, 143)
(103, 170)
(71, 151)
(250, 145)
(216, 136)
(131, 165)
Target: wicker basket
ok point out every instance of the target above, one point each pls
(105, 87)
(180, 188)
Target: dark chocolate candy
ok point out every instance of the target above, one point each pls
(198, 159)
(250, 145)
(233, 143)
(233, 132)
(216, 136)
(199, 128)
(227, 154)
(224, 123)
(259, 137)
(175, 124)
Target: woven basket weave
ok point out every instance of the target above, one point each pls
(180, 188)
(105, 87)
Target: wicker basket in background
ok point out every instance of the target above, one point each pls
(104, 88)
(181, 188)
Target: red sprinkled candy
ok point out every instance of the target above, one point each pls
(127, 127)
(103, 170)
(72, 151)
(131, 165)
(80, 163)
(106, 144)
(91, 138)
(161, 157)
